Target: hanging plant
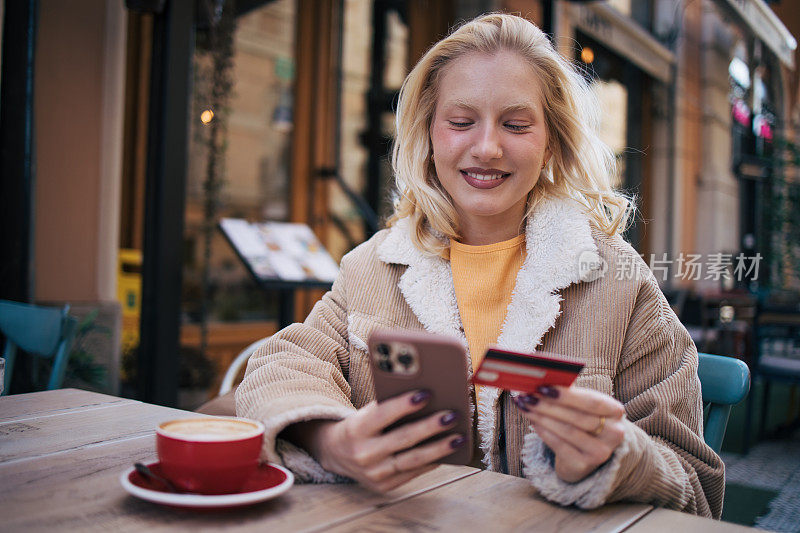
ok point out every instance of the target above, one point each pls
(213, 86)
(781, 221)
(82, 368)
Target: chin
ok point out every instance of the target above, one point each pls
(484, 213)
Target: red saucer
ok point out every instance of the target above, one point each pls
(268, 481)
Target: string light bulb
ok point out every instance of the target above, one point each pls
(587, 54)
(206, 116)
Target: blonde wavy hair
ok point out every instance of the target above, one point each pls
(581, 165)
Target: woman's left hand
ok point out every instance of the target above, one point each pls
(583, 427)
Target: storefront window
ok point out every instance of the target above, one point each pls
(348, 228)
(753, 124)
(623, 6)
(613, 97)
(640, 11)
(243, 174)
(763, 109)
(367, 121)
(619, 85)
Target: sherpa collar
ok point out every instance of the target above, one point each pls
(557, 239)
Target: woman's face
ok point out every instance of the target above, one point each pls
(489, 141)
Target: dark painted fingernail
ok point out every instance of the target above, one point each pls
(421, 396)
(527, 398)
(448, 418)
(458, 442)
(521, 405)
(550, 392)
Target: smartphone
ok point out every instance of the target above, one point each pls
(525, 372)
(405, 360)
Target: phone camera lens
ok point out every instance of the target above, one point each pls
(383, 349)
(385, 365)
(405, 359)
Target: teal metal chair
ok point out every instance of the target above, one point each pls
(725, 382)
(45, 332)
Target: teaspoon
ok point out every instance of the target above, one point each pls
(146, 472)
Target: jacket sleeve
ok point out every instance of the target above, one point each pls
(663, 459)
(300, 374)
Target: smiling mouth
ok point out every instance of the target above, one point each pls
(485, 176)
(480, 178)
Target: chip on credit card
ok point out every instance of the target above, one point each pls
(522, 372)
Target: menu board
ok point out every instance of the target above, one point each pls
(280, 251)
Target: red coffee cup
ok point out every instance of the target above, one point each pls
(209, 455)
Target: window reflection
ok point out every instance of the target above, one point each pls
(613, 97)
(253, 179)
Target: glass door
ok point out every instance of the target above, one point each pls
(238, 167)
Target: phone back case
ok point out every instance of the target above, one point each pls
(407, 360)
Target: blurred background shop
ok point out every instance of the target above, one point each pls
(131, 129)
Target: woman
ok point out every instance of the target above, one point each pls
(506, 231)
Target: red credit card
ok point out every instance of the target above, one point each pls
(524, 372)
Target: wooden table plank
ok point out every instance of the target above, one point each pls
(63, 453)
(79, 490)
(20, 406)
(660, 519)
(32, 437)
(489, 501)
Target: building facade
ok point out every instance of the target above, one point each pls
(694, 95)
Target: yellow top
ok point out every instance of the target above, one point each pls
(483, 278)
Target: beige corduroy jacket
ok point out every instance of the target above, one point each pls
(578, 293)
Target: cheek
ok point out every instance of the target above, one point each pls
(533, 152)
(446, 141)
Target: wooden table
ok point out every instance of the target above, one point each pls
(61, 454)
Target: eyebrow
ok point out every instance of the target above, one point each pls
(521, 106)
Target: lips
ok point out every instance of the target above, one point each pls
(484, 178)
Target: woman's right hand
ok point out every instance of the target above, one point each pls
(357, 447)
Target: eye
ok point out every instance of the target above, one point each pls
(460, 124)
(517, 127)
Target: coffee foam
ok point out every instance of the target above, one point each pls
(210, 429)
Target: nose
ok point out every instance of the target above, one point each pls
(487, 144)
